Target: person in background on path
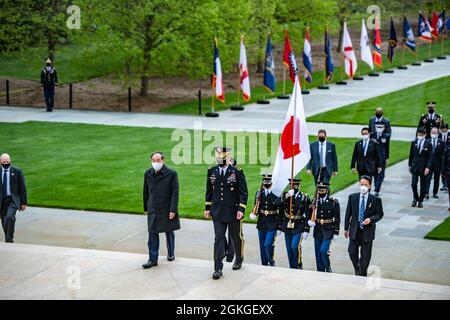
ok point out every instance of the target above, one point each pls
(324, 162)
(437, 152)
(445, 137)
(366, 156)
(419, 163)
(49, 79)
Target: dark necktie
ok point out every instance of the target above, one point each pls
(362, 208)
(4, 184)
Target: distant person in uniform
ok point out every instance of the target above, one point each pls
(161, 193)
(49, 79)
(382, 139)
(324, 162)
(225, 202)
(366, 156)
(445, 137)
(431, 119)
(437, 151)
(380, 119)
(446, 168)
(364, 210)
(13, 196)
(419, 163)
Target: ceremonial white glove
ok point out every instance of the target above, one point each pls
(279, 232)
(252, 216)
(305, 235)
(290, 193)
(311, 223)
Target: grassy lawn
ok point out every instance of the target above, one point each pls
(70, 63)
(441, 232)
(191, 107)
(94, 167)
(402, 107)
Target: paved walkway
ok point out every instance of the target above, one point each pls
(155, 120)
(400, 251)
(42, 272)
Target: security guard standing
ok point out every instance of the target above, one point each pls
(382, 137)
(327, 219)
(267, 209)
(294, 225)
(430, 119)
(49, 79)
(225, 201)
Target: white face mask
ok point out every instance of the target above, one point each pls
(420, 138)
(157, 165)
(365, 137)
(434, 136)
(364, 189)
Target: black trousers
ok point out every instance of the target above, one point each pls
(360, 253)
(435, 173)
(324, 177)
(423, 185)
(237, 238)
(8, 218)
(229, 249)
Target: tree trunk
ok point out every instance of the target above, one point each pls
(341, 34)
(260, 64)
(146, 65)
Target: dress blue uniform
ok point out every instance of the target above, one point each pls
(267, 208)
(296, 224)
(382, 138)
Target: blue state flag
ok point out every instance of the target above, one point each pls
(329, 68)
(408, 36)
(269, 69)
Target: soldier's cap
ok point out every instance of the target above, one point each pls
(266, 177)
(222, 152)
(48, 60)
(431, 104)
(323, 185)
(295, 181)
(446, 126)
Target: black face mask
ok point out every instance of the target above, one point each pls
(267, 186)
(321, 139)
(378, 115)
(48, 64)
(6, 165)
(322, 195)
(221, 164)
(430, 110)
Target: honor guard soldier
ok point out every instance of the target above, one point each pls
(225, 201)
(326, 218)
(431, 119)
(267, 209)
(294, 225)
(49, 79)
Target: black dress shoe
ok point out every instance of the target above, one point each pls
(150, 264)
(377, 194)
(427, 197)
(435, 196)
(170, 258)
(237, 265)
(300, 266)
(420, 205)
(230, 258)
(328, 270)
(413, 204)
(217, 274)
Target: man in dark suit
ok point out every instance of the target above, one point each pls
(49, 79)
(364, 210)
(366, 156)
(13, 196)
(323, 163)
(382, 139)
(437, 152)
(378, 119)
(161, 205)
(446, 168)
(225, 201)
(431, 119)
(445, 137)
(420, 161)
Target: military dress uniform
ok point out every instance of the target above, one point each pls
(49, 78)
(294, 228)
(267, 208)
(430, 120)
(327, 220)
(226, 194)
(382, 139)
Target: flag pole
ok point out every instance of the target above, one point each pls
(290, 224)
(324, 86)
(342, 82)
(284, 96)
(238, 106)
(442, 56)
(402, 66)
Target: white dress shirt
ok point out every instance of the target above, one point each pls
(8, 179)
